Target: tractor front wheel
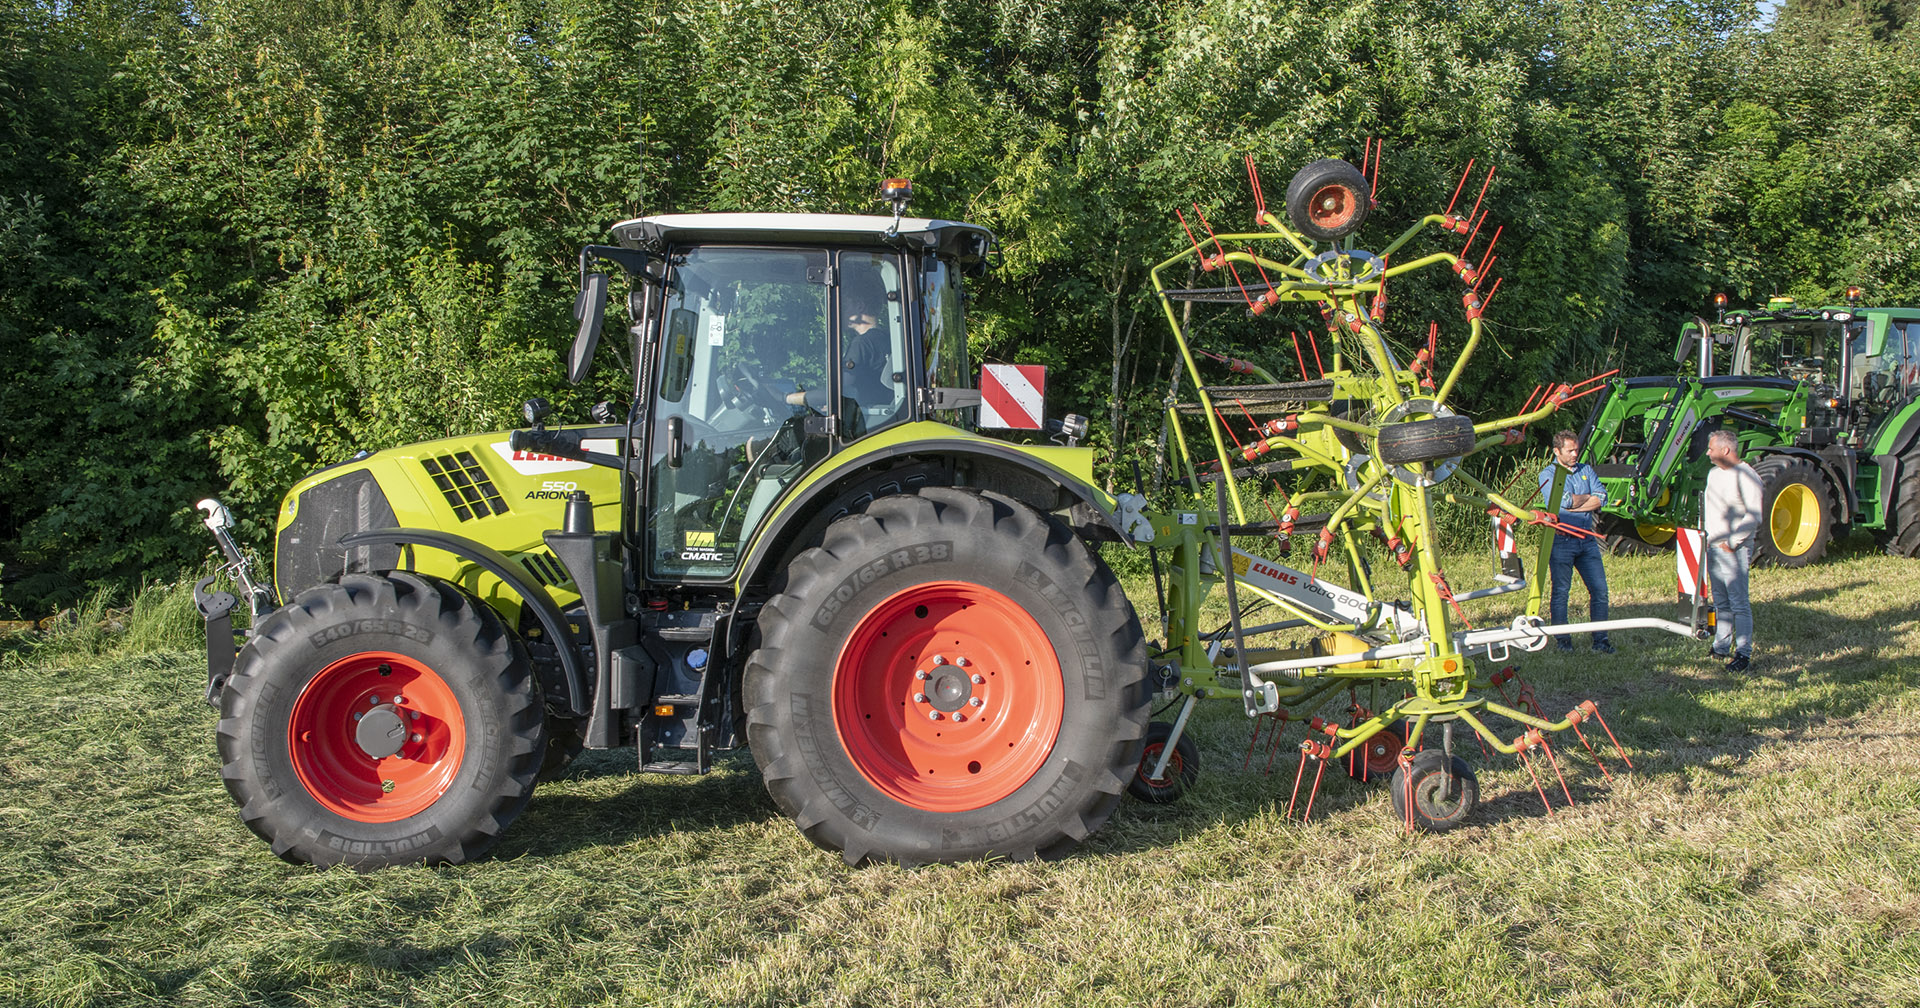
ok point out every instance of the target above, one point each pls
(1796, 512)
(947, 675)
(381, 721)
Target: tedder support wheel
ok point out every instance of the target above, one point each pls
(381, 721)
(1378, 757)
(1796, 512)
(947, 675)
(1182, 769)
(1443, 788)
(1328, 200)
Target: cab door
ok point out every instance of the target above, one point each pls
(745, 332)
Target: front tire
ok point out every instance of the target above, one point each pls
(1901, 537)
(381, 721)
(1796, 513)
(948, 675)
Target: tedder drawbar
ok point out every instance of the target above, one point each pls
(796, 540)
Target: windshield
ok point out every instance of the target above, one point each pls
(1800, 351)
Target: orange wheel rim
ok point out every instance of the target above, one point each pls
(1332, 206)
(376, 737)
(948, 697)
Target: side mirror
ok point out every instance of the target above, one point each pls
(591, 309)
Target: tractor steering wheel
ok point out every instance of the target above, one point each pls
(748, 390)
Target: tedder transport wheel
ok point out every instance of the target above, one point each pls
(1443, 796)
(1328, 199)
(1796, 513)
(948, 675)
(381, 721)
(1182, 770)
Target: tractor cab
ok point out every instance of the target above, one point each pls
(768, 343)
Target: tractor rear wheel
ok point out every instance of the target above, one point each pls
(1901, 536)
(381, 721)
(1796, 512)
(947, 675)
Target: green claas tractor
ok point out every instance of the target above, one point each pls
(1825, 403)
(792, 497)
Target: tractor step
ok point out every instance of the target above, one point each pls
(682, 768)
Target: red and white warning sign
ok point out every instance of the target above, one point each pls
(1013, 396)
(1689, 550)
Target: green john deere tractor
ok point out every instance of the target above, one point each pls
(1825, 403)
(796, 491)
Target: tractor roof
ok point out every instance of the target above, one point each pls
(948, 237)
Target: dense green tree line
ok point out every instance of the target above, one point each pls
(242, 238)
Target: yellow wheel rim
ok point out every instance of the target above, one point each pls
(1654, 535)
(1795, 519)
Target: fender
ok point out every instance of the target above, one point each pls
(1905, 434)
(496, 563)
(1841, 481)
(1000, 460)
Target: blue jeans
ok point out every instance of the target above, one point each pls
(1732, 616)
(1578, 553)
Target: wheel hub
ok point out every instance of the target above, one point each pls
(949, 689)
(381, 732)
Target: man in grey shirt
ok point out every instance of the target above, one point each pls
(1731, 512)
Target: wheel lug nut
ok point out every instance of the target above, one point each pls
(959, 716)
(917, 674)
(973, 701)
(979, 680)
(417, 737)
(373, 700)
(933, 715)
(962, 661)
(398, 699)
(939, 659)
(414, 715)
(919, 698)
(357, 715)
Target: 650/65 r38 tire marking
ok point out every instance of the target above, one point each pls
(985, 693)
(381, 721)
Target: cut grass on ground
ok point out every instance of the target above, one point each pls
(1766, 851)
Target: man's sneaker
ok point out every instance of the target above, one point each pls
(1566, 646)
(1717, 654)
(1603, 647)
(1738, 664)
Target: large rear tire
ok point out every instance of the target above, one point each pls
(1796, 513)
(948, 675)
(1627, 538)
(1901, 536)
(381, 721)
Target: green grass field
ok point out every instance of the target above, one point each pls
(1765, 852)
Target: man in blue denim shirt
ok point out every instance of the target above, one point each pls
(1580, 497)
